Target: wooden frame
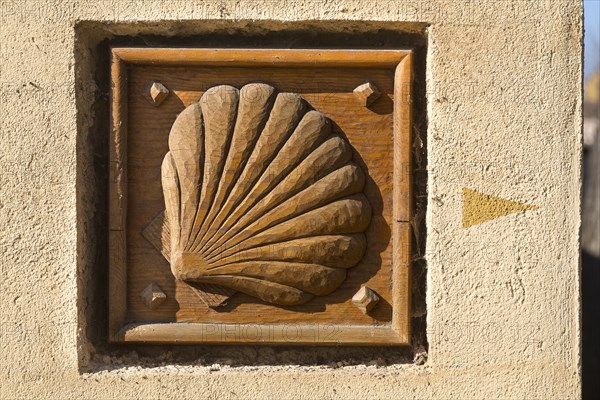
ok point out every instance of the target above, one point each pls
(396, 333)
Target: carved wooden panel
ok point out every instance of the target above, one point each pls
(260, 196)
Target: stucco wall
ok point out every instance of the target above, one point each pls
(503, 108)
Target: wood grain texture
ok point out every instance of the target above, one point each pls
(212, 296)
(117, 282)
(403, 212)
(401, 320)
(403, 146)
(266, 57)
(314, 335)
(117, 207)
(370, 131)
(118, 145)
(158, 234)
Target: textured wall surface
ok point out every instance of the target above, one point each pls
(503, 106)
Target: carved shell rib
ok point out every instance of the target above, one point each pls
(261, 197)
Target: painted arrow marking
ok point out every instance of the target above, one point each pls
(479, 207)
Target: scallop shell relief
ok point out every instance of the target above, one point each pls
(261, 197)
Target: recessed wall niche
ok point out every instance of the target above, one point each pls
(260, 196)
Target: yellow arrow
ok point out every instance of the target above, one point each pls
(479, 207)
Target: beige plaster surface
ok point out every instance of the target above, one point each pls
(504, 119)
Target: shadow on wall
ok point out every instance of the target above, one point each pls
(590, 240)
(590, 325)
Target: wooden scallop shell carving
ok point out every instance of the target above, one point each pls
(261, 197)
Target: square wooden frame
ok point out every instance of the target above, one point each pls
(396, 333)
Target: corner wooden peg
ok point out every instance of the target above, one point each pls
(153, 296)
(365, 299)
(366, 93)
(155, 93)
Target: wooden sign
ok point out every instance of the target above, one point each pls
(260, 196)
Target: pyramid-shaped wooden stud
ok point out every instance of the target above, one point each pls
(155, 93)
(365, 299)
(366, 93)
(153, 296)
